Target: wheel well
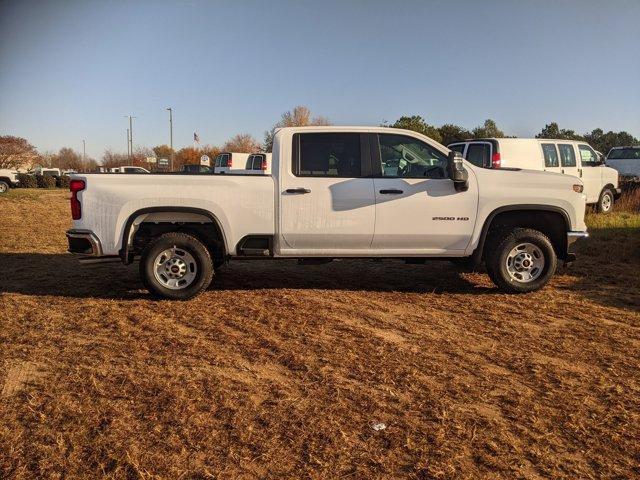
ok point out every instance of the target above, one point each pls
(553, 224)
(145, 225)
(208, 233)
(5, 179)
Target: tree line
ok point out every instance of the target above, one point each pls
(16, 152)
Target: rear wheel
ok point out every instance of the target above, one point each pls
(605, 202)
(4, 187)
(176, 266)
(523, 261)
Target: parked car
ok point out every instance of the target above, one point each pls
(334, 192)
(8, 179)
(47, 171)
(258, 164)
(560, 156)
(227, 162)
(128, 169)
(196, 168)
(626, 161)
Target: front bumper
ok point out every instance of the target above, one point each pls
(84, 242)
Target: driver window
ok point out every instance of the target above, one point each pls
(408, 157)
(588, 157)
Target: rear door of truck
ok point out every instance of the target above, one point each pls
(327, 201)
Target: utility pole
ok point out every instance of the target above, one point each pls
(171, 134)
(128, 151)
(130, 134)
(84, 152)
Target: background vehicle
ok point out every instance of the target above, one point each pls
(626, 161)
(258, 164)
(54, 172)
(560, 156)
(226, 162)
(196, 168)
(8, 179)
(335, 192)
(128, 169)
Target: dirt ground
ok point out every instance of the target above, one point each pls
(283, 371)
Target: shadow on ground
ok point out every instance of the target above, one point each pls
(62, 275)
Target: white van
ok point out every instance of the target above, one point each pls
(230, 162)
(258, 164)
(561, 156)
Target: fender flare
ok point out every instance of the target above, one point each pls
(614, 190)
(476, 256)
(124, 250)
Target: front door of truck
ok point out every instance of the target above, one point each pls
(327, 204)
(418, 210)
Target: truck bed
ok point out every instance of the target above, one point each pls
(110, 199)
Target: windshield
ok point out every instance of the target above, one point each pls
(626, 153)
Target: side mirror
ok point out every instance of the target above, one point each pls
(457, 172)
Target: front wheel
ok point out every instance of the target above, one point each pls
(4, 187)
(176, 266)
(522, 260)
(605, 202)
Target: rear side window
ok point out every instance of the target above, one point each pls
(588, 156)
(567, 155)
(479, 154)
(327, 155)
(550, 155)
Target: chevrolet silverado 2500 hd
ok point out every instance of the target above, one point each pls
(334, 192)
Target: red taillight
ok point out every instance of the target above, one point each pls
(495, 160)
(76, 208)
(264, 163)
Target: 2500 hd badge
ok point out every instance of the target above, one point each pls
(460, 219)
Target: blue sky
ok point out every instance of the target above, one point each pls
(72, 69)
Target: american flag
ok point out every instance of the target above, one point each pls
(196, 138)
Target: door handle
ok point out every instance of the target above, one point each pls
(391, 191)
(297, 191)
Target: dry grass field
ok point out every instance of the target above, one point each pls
(282, 371)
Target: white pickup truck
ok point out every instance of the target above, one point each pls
(334, 192)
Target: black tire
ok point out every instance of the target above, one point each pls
(201, 266)
(498, 256)
(605, 202)
(4, 187)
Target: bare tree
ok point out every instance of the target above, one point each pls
(112, 159)
(16, 152)
(300, 116)
(243, 143)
